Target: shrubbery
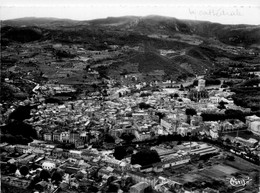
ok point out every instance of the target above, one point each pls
(145, 157)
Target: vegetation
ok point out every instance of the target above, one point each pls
(21, 113)
(127, 137)
(145, 157)
(247, 97)
(120, 152)
(24, 170)
(45, 175)
(144, 106)
(208, 82)
(18, 132)
(190, 112)
(108, 138)
(229, 114)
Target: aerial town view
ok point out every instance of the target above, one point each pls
(138, 104)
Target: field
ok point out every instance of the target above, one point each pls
(217, 170)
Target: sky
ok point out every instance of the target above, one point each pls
(220, 11)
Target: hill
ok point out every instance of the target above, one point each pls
(168, 44)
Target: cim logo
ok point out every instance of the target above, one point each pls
(238, 182)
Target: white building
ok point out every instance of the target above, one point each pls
(253, 123)
(64, 136)
(201, 85)
(48, 165)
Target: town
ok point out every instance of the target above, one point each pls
(130, 104)
(133, 139)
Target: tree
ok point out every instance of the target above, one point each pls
(222, 105)
(111, 179)
(21, 113)
(191, 112)
(145, 157)
(112, 188)
(160, 115)
(143, 105)
(181, 88)
(228, 141)
(18, 127)
(34, 181)
(56, 177)
(130, 150)
(148, 189)
(120, 152)
(230, 158)
(45, 175)
(12, 168)
(24, 170)
(176, 95)
(128, 137)
(109, 139)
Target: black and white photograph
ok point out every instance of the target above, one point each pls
(140, 96)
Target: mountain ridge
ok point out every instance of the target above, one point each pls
(175, 46)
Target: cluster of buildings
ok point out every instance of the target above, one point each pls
(145, 115)
(47, 157)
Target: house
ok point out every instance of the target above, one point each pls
(47, 136)
(196, 120)
(26, 160)
(214, 99)
(57, 152)
(64, 136)
(227, 126)
(79, 143)
(22, 148)
(65, 153)
(75, 153)
(142, 136)
(74, 136)
(56, 136)
(247, 142)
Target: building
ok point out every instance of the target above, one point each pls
(214, 99)
(210, 190)
(255, 127)
(22, 148)
(47, 136)
(75, 153)
(57, 152)
(204, 149)
(17, 182)
(139, 187)
(175, 160)
(47, 165)
(253, 123)
(201, 84)
(73, 137)
(64, 136)
(140, 177)
(56, 136)
(247, 142)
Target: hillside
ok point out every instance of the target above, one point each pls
(176, 47)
